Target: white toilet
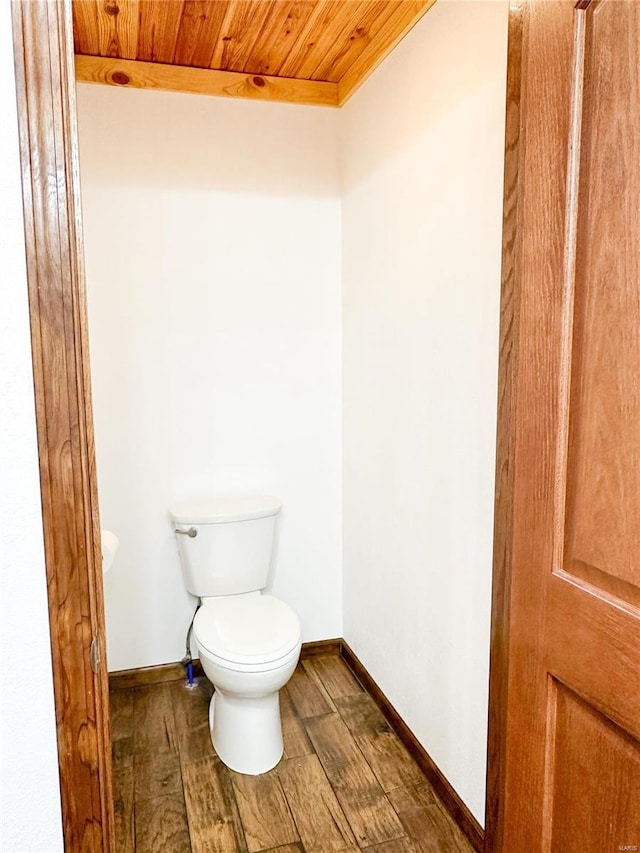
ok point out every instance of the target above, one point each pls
(249, 643)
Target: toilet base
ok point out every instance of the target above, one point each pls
(246, 732)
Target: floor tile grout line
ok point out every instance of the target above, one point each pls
(395, 735)
(384, 793)
(317, 680)
(286, 799)
(184, 795)
(242, 843)
(323, 769)
(314, 753)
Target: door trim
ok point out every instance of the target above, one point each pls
(43, 51)
(506, 434)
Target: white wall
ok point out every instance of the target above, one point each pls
(422, 173)
(212, 237)
(30, 819)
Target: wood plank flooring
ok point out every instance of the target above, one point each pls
(345, 783)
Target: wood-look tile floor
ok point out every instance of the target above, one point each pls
(345, 783)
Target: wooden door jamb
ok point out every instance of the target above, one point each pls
(505, 447)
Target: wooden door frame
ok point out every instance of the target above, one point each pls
(45, 86)
(43, 46)
(506, 434)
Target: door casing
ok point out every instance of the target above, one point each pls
(43, 51)
(506, 436)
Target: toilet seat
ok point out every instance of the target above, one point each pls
(248, 632)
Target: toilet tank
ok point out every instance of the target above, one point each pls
(231, 550)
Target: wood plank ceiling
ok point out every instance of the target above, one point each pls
(312, 51)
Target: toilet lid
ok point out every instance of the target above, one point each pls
(247, 629)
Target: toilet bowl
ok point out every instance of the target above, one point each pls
(248, 641)
(249, 646)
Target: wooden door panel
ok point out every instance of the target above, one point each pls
(601, 647)
(596, 779)
(603, 497)
(570, 758)
(592, 636)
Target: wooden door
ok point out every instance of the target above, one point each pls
(564, 761)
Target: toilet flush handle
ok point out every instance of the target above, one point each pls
(192, 532)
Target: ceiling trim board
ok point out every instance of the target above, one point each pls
(137, 74)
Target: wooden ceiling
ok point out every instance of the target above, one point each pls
(312, 51)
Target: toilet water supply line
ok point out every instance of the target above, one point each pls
(187, 660)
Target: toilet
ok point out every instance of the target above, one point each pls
(249, 642)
